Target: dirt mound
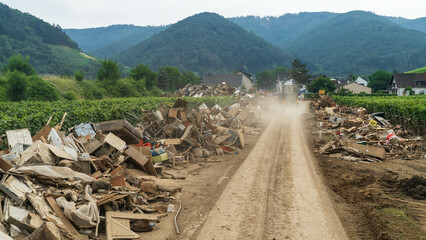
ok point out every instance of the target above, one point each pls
(414, 187)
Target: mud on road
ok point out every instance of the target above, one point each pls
(276, 193)
(278, 188)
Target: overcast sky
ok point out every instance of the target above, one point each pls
(96, 13)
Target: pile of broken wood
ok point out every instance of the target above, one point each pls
(207, 91)
(358, 136)
(109, 177)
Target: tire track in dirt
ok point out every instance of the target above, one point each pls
(276, 193)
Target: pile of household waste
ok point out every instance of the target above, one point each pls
(110, 177)
(207, 91)
(358, 136)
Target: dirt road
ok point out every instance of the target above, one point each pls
(276, 193)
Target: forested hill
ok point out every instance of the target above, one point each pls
(360, 42)
(49, 48)
(206, 42)
(25, 27)
(126, 42)
(285, 28)
(105, 42)
(418, 24)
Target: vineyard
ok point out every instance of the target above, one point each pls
(409, 111)
(34, 115)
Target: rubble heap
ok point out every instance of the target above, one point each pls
(207, 91)
(109, 177)
(358, 136)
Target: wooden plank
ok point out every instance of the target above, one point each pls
(108, 199)
(182, 115)
(5, 165)
(69, 227)
(241, 140)
(186, 133)
(18, 136)
(44, 211)
(145, 157)
(137, 157)
(326, 146)
(42, 133)
(117, 230)
(173, 112)
(115, 142)
(134, 216)
(368, 150)
(20, 224)
(172, 141)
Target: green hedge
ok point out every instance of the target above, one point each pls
(409, 111)
(34, 115)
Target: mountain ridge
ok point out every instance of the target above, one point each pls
(206, 42)
(49, 49)
(361, 42)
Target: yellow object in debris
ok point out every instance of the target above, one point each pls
(160, 158)
(373, 122)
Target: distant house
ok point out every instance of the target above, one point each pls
(248, 75)
(335, 81)
(238, 80)
(354, 87)
(361, 81)
(399, 81)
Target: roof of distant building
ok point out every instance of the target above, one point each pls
(404, 80)
(234, 80)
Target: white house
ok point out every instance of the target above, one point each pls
(399, 81)
(361, 81)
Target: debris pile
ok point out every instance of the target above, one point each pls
(109, 177)
(358, 136)
(207, 91)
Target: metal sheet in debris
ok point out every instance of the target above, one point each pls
(84, 129)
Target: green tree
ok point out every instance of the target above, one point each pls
(189, 77)
(299, 72)
(379, 80)
(408, 90)
(279, 70)
(17, 86)
(79, 76)
(169, 78)
(266, 79)
(321, 83)
(21, 64)
(142, 71)
(109, 71)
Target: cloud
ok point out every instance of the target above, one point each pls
(95, 13)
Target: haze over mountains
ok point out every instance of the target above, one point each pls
(204, 43)
(331, 43)
(334, 44)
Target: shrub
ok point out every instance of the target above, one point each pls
(21, 64)
(98, 93)
(79, 76)
(17, 86)
(69, 96)
(40, 90)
